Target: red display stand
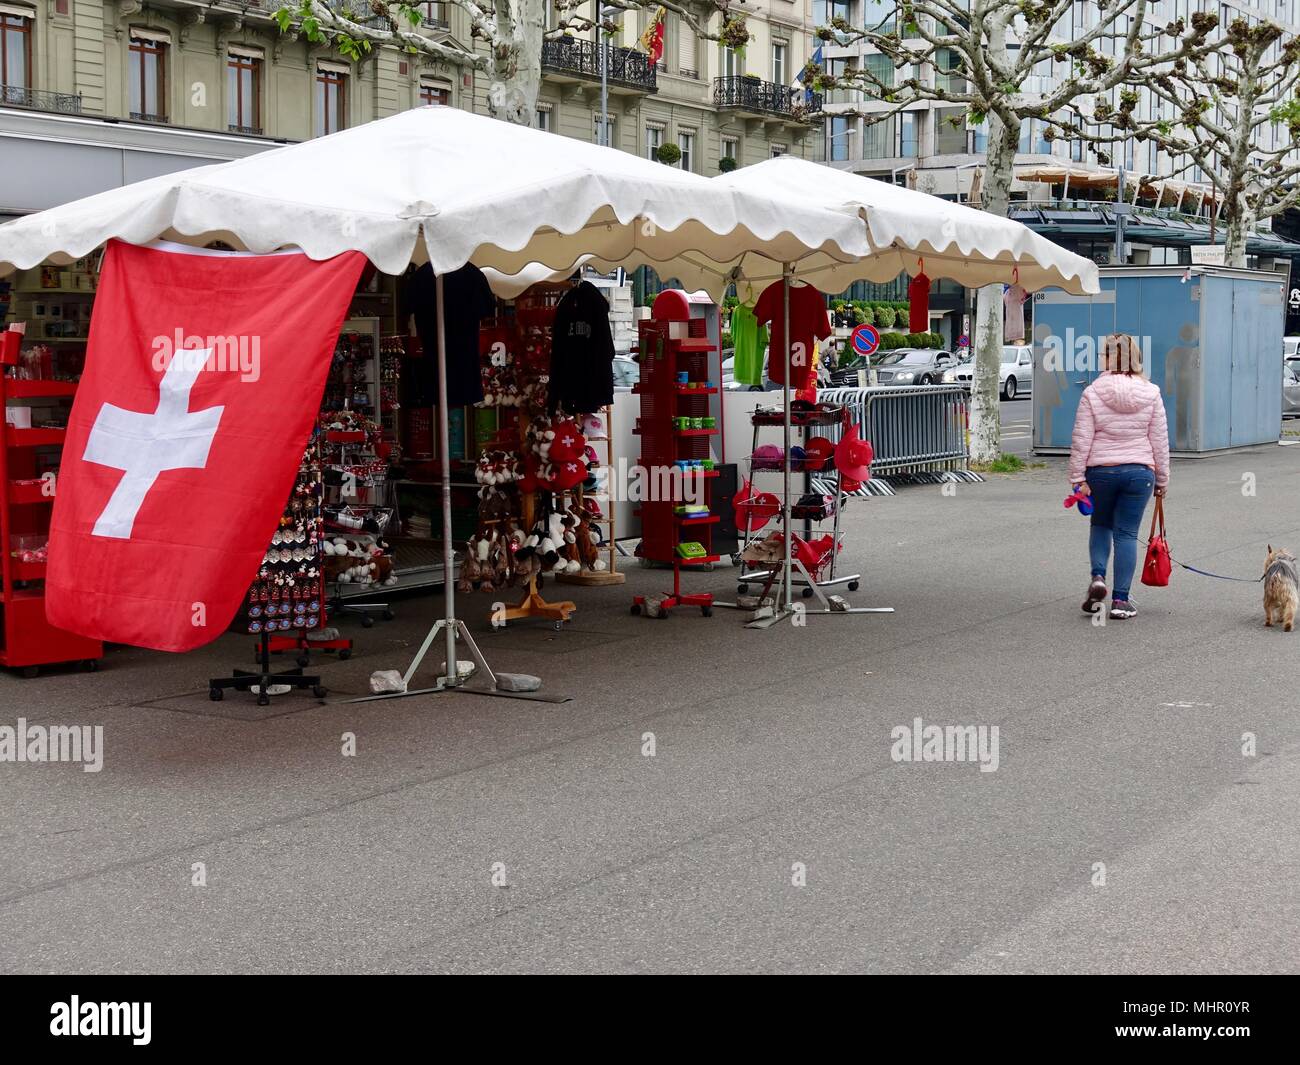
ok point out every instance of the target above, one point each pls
(27, 640)
(680, 370)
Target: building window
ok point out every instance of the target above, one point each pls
(731, 63)
(837, 139)
(909, 135)
(433, 14)
(244, 93)
(778, 150)
(780, 49)
(15, 51)
(433, 93)
(687, 43)
(331, 100)
(607, 133)
(730, 148)
(654, 137)
(544, 119)
(148, 78)
(686, 142)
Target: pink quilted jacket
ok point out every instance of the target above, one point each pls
(1121, 419)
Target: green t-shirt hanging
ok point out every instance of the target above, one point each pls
(750, 340)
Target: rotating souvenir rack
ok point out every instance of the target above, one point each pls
(534, 320)
(680, 368)
(814, 560)
(286, 602)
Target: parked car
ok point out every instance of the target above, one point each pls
(627, 372)
(913, 366)
(730, 384)
(1291, 386)
(1290, 347)
(1015, 375)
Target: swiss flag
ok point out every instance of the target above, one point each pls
(203, 376)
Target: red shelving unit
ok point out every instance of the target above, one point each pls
(674, 345)
(27, 640)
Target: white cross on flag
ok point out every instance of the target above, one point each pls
(203, 377)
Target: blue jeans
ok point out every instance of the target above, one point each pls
(1119, 498)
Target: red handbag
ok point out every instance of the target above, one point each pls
(1158, 566)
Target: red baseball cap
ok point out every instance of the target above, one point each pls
(853, 456)
(817, 449)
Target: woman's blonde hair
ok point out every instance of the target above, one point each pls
(1120, 353)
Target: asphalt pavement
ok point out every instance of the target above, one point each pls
(713, 798)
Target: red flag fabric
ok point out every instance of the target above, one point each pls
(203, 377)
(652, 40)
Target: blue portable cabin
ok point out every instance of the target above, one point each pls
(1211, 337)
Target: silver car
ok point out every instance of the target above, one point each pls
(1291, 386)
(1015, 374)
(913, 366)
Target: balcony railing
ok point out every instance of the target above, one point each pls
(39, 100)
(247, 131)
(763, 97)
(144, 116)
(627, 67)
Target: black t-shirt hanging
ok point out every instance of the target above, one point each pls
(582, 352)
(469, 300)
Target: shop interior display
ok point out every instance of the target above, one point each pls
(35, 386)
(680, 371)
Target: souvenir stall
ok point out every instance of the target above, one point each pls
(411, 189)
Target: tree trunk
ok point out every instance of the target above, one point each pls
(986, 417)
(516, 67)
(1239, 224)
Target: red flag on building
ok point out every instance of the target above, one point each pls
(203, 377)
(652, 40)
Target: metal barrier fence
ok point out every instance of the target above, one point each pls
(918, 430)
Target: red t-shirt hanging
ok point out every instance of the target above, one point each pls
(809, 322)
(918, 299)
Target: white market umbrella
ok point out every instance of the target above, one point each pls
(447, 187)
(444, 186)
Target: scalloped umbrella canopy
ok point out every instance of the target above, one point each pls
(905, 227)
(446, 186)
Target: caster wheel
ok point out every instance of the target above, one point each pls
(663, 615)
(216, 694)
(345, 653)
(853, 586)
(389, 615)
(559, 626)
(89, 665)
(319, 690)
(707, 611)
(636, 608)
(263, 700)
(31, 671)
(807, 593)
(303, 661)
(742, 589)
(735, 558)
(366, 621)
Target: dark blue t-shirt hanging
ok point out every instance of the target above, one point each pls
(582, 353)
(469, 300)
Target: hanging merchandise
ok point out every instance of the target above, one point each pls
(1013, 312)
(809, 322)
(918, 303)
(750, 341)
(582, 352)
(469, 301)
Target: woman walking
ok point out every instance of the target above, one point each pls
(1119, 454)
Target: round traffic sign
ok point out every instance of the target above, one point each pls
(865, 340)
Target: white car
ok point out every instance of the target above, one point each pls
(1290, 347)
(1015, 375)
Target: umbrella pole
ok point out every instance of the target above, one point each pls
(787, 273)
(444, 450)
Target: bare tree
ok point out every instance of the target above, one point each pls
(1236, 117)
(511, 32)
(1006, 62)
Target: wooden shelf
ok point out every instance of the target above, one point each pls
(28, 493)
(703, 519)
(33, 437)
(695, 432)
(17, 389)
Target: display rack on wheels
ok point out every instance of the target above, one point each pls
(680, 370)
(27, 640)
(816, 560)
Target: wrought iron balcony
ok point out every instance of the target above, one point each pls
(248, 131)
(144, 116)
(39, 100)
(752, 96)
(580, 60)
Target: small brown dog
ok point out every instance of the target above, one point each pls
(1281, 595)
